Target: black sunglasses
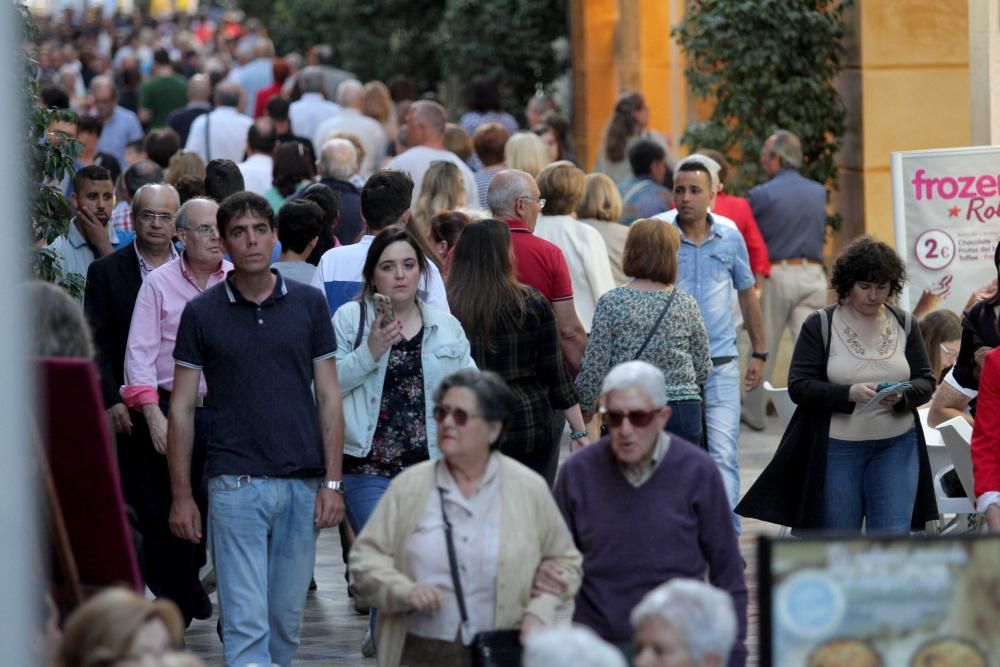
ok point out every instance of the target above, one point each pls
(638, 418)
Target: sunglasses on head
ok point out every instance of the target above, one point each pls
(458, 415)
(637, 418)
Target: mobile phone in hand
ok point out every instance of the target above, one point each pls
(383, 309)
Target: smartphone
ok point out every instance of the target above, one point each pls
(383, 308)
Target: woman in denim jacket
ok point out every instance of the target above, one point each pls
(388, 370)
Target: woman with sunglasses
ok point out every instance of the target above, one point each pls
(645, 507)
(499, 518)
(389, 363)
(513, 332)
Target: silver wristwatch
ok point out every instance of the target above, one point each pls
(333, 485)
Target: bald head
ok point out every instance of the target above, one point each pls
(506, 190)
(350, 94)
(337, 159)
(199, 88)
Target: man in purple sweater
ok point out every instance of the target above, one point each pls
(645, 507)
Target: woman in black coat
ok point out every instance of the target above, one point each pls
(835, 468)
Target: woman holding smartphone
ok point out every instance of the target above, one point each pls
(392, 353)
(839, 465)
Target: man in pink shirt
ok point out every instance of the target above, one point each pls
(170, 565)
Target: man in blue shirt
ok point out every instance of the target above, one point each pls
(121, 126)
(713, 262)
(790, 210)
(644, 195)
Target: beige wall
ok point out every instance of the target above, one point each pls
(906, 87)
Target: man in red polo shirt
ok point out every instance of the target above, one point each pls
(513, 197)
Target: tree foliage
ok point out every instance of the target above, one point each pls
(765, 65)
(50, 158)
(433, 41)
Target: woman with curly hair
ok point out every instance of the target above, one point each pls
(846, 458)
(629, 123)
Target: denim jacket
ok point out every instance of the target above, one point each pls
(444, 350)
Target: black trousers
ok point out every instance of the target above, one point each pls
(170, 565)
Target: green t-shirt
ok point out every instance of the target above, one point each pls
(161, 95)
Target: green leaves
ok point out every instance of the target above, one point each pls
(766, 64)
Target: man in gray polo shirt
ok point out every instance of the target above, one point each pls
(273, 459)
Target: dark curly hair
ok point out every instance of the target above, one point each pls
(867, 260)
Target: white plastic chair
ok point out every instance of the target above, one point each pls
(957, 436)
(936, 450)
(782, 402)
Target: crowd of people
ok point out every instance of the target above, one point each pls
(315, 302)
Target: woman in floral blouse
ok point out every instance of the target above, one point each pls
(652, 320)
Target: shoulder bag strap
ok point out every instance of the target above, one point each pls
(361, 324)
(656, 325)
(453, 560)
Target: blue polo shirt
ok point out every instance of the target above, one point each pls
(710, 272)
(258, 364)
(790, 210)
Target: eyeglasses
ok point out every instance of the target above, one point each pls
(458, 415)
(540, 201)
(638, 418)
(150, 216)
(948, 352)
(204, 230)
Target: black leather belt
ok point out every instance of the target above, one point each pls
(721, 361)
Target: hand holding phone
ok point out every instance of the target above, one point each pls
(383, 308)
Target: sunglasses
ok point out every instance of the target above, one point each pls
(638, 418)
(458, 415)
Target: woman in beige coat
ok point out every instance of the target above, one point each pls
(504, 523)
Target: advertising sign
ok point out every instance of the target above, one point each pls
(880, 602)
(946, 214)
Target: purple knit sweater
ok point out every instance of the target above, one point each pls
(676, 524)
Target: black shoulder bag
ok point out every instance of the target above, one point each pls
(494, 648)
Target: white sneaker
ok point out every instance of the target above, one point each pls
(368, 645)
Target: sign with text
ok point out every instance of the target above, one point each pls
(946, 214)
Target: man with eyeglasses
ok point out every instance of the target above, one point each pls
(644, 507)
(171, 564)
(113, 283)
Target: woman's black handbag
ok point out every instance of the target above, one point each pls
(495, 648)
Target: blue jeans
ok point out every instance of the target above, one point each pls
(685, 421)
(362, 493)
(872, 480)
(722, 420)
(263, 539)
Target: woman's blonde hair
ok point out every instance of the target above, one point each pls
(443, 189)
(561, 186)
(376, 102)
(526, 151)
(101, 631)
(601, 199)
(184, 163)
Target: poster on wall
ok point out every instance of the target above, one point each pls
(946, 215)
(880, 602)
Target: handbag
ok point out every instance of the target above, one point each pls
(649, 336)
(493, 648)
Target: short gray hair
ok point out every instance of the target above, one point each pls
(701, 613)
(639, 375)
(713, 167)
(312, 80)
(570, 646)
(504, 190)
(349, 92)
(180, 221)
(337, 159)
(788, 148)
(137, 197)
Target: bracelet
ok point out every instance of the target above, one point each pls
(759, 355)
(576, 435)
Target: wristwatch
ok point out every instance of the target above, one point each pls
(333, 485)
(760, 355)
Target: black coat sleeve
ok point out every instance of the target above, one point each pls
(97, 305)
(807, 382)
(921, 376)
